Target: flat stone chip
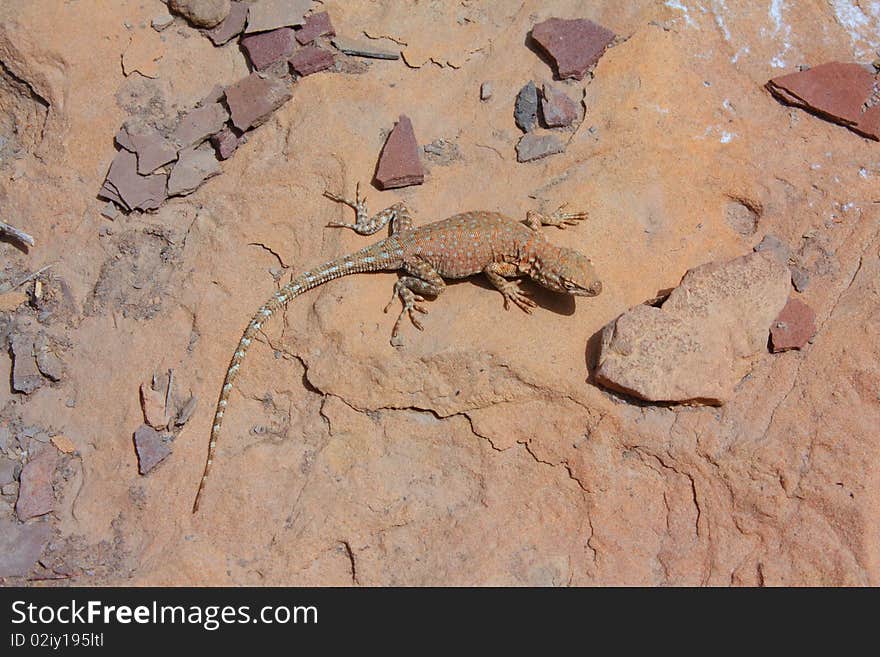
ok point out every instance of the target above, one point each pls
(36, 497)
(151, 446)
(265, 15)
(360, 48)
(200, 123)
(253, 99)
(194, 167)
(845, 93)
(558, 110)
(21, 546)
(232, 26)
(152, 149)
(574, 45)
(266, 48)
(399, 163)
(26, 377)
(534, 146)
(794, 327)
(130, 189)
(311, 59)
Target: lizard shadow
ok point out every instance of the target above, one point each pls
(561, 304)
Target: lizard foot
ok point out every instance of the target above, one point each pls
(411, 302)
(512, 292)
(558, 218)
(359, 205)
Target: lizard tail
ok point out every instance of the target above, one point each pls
(377, 257)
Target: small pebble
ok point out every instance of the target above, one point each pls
(162, 22)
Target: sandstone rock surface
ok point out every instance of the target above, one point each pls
(480, 451)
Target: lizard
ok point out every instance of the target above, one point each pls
(457, 247)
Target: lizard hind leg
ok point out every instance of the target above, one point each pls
(423, 281)
(365, 224)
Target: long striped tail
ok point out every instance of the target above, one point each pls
(383, 255)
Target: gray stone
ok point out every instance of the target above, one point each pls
(800, 278)
(7, 470)
(21, 546)
(525, 109)
(26, 377)
(162, 22)
(361, 48)
(774, 247)
(110, 211)
(486, 91)
(534, 146)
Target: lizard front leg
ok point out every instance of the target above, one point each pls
(558, 218)
(423, 281)
(496, 273)
(364, 224)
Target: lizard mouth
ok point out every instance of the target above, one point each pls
(594, 290)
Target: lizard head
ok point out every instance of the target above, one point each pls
(568, 272)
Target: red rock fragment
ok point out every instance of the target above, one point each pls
(557, 108)
(843, 93)
(311, 59)
(794, 327)
(35, 494)
(253, 99)
(574, 44)
(316, 25)
(232, 26)
(399, 164)
(266, 48)
(225, 142)
(131, 190)
(152, 447)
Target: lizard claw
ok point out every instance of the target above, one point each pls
(562, 219)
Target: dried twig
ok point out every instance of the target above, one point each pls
(168, 393)
(14, 232)
(24, 280)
